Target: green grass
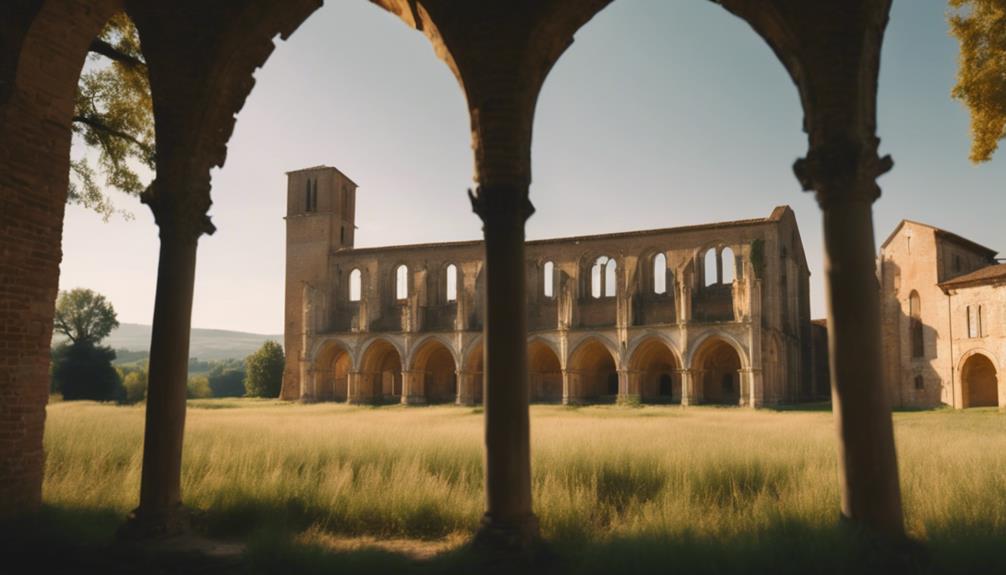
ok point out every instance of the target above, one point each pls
(617, 489)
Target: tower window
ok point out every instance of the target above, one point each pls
(920, 383)
(311, 197)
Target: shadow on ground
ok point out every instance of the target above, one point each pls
(83, 541)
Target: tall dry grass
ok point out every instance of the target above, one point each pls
(605, 478)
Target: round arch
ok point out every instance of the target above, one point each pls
(544, 371)
(380, 370)
(716, 363)
(435, 365)
(593, 370)
(980, 380)
(656, 364)
(332, 364)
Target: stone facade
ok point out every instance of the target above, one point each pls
(943, 300)
(715, 313)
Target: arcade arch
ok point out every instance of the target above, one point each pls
(380, 372)
(658, 370)
(593, 372)
(716, 366)
(544, 372)
(331, 372)
(434, 369)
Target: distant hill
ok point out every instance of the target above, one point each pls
(205, 344)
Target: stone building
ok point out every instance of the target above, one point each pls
(715, 313)
(943, 303)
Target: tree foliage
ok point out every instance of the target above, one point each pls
(980, 27)
(113, 115)
(264, 371)
(84, 371)
(85, 317)
(226, 380)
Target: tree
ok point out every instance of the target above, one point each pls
(113, 115)
(83, 316)
(82, 369)
(226, 380)
(135, 383)
(199, 387)
(264, 371)
(980, 26)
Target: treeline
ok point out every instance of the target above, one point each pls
(82, 368)
(86, 372)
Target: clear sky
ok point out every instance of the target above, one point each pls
(662, 113)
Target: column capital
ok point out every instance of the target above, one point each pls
(502, 202)
(843, 168)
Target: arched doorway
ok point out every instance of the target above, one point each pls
(331, 373)
(980, 382)
(434, 365)
(657, 369)
(380, 373)
(718, 366)
(593, 372)
(544, 373)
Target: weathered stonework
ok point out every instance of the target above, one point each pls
(944, 299)
(741, 337)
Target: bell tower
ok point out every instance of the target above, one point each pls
(320, 218)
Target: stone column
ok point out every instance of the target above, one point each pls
(629, 386)
(354, 380)
(687, 387)
(843, 172)
(413, 387)
(160, 512)
(465, 393)
(508, 518)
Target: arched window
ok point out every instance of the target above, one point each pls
(711, 276)
(596, 277)
(452, 283)
(402, 282)
(915, 324)
(355, 285)
(727, 265)
(548, 275)
(660, 274)
(610, 279)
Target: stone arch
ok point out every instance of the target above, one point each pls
(656, 365)
(544, 371)
(980, 380)
(593, 370)
(716, 365)
(433, 365)
(380, 368)
(332, 364)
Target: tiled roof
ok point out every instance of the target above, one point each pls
(985, 275)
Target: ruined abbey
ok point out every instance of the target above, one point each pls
(713, 313)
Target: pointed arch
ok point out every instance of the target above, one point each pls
(716, 365)
(593, 368)
(332, 364)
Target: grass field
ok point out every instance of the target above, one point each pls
(616, 489)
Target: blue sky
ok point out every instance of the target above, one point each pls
(660, 114)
